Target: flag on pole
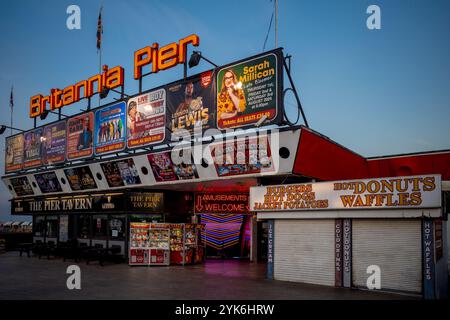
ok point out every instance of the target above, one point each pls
(99, 29)
(11, 99)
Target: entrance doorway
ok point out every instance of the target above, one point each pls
(227, 236)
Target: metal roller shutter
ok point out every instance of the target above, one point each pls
(393, 245)
(304, 251)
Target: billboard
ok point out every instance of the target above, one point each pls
(32, 148)
(48, 182)
(79, 136)
(146, 118)
(80, 178)
(110, 129)
(54, 143)
(121, 173)
(14, 153)
(191, 102)
(165, 170)
(250, 155)
(21, 186)
(249, 90)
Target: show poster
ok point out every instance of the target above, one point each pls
(146, 118)
(248, 91)
(165, 170)
(21, 186)
(54, 143)
(79, 136)
(110, 129)
(33, 148)
(121, 173)
(191, 102)
(80, 178)
(243, 156)
(48, 182)
(14, 153)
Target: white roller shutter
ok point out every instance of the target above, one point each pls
(393, 245)
(304, 251)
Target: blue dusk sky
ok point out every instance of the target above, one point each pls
(377, 92)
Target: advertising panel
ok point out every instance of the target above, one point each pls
(14, 153)
(243, 156)
(165, 170)
(191, 103)
(48, 182)
(33, 148)
(80, 178)
(21, 186)
(121, 173)
(146, 118)
(54, 143)
(380, 193)
(248, 90)
(110, 129)
(79, 136)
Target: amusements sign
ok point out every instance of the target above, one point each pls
(191, 103)
(14, 153)
(220, 203)
(110, 129)
(32, 148)
(54, 143)
(397, 192)
(247, 91)
(165, 170)
(79, 136)
(243, 156)
(146, 117)
(121, 173)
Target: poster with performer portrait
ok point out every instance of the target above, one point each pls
(32, 148)
(109, 129)
(146, 118)
(80, 136)
(190, 103)
(165, 170)
(248, 91)
(14, 153)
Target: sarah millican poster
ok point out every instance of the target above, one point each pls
(54, 143)
(146, 118)
(190, 103)
(110, 129)
(14, 153)
(32, 148)
(79, 136)
(247, 91)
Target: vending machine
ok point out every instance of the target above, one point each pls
(139, 243)
(159, 244)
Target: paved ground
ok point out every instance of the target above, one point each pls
(33, 278)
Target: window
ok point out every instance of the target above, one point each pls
(117, 228)
(39, 226)
(52, 227)
(83, 226)
(99, 227)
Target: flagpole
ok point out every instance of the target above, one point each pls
(276, 23)
(11, 105)
(100, 50)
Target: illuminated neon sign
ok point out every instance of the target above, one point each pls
(160, 59)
